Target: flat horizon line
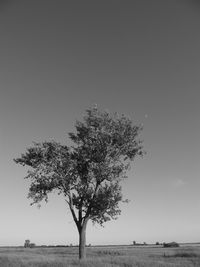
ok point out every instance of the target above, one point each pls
(109, 245)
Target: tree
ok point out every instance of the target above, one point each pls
(87, 174)
(27, 243)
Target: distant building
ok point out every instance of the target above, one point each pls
(28, 244)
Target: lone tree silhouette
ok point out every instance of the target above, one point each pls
(87, 174)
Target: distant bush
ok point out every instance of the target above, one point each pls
(109, 252)
(171, 245)
(182, 254)
(186, 255)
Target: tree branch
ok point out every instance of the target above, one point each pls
(72, 210)
(90, 205)
(80, 215)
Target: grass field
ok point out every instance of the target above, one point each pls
(118, 256)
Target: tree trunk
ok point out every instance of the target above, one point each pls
(82, 241)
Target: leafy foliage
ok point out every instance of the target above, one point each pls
(87, 174)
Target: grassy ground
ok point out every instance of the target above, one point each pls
(101, 257)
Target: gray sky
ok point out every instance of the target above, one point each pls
(140, 58)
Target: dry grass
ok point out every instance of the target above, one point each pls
(101, 257)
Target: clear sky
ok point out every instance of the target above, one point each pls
(140, 58)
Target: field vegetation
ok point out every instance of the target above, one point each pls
(116, 256)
